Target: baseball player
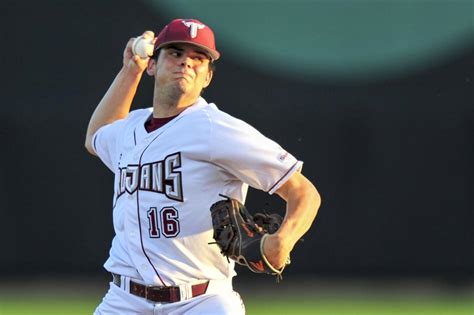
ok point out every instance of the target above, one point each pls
(171, 163)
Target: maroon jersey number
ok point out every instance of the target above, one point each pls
(167, 218)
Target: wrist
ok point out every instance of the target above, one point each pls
(274, 251)
(131, 72)
(281, 241)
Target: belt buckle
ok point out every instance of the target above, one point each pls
(150, 288)
(168, 294)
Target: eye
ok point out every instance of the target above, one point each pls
(198, 58)
(175, 53)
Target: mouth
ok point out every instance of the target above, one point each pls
(184, 75)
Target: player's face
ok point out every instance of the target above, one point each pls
(181, 69)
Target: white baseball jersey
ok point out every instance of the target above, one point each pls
(166, 182)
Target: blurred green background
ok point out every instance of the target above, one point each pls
(334, 39)
(59, 305)
(296, 296)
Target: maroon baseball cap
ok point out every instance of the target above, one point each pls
(188, 31)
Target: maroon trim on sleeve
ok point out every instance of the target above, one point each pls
(283, 176)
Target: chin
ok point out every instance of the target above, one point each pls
(178, 90)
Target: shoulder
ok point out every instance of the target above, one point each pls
(221, 119)
(125, 123)
(135, 117)
(139, 114)
(208, 115)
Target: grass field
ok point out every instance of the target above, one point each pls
(262, 306)
(285, 299)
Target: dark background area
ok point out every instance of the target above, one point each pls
(392, 157)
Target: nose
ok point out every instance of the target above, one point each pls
(186, 61)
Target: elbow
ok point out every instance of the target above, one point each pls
(89, 149)
(88, 145)
(315, 198)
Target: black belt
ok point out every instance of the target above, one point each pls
(160, 294)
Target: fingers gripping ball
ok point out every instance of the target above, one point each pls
(240, 235)
(142, 47)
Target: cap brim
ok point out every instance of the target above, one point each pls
(213, 53)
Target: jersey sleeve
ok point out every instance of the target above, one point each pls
(245, 154)
(104, 143)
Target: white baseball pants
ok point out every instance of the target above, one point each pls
(219, 299)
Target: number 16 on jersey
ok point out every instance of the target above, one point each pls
(163, 222)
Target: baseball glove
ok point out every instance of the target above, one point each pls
(240, 235)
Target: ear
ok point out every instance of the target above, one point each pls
(151, 67)
(208, 78)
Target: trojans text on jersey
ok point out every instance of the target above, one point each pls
(160, 177)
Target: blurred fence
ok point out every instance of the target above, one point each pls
(392, 157)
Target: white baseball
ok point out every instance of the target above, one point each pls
(142, 47)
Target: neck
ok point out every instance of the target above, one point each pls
(167, 106)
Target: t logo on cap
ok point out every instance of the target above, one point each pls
(193, 27)
(188, 31)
